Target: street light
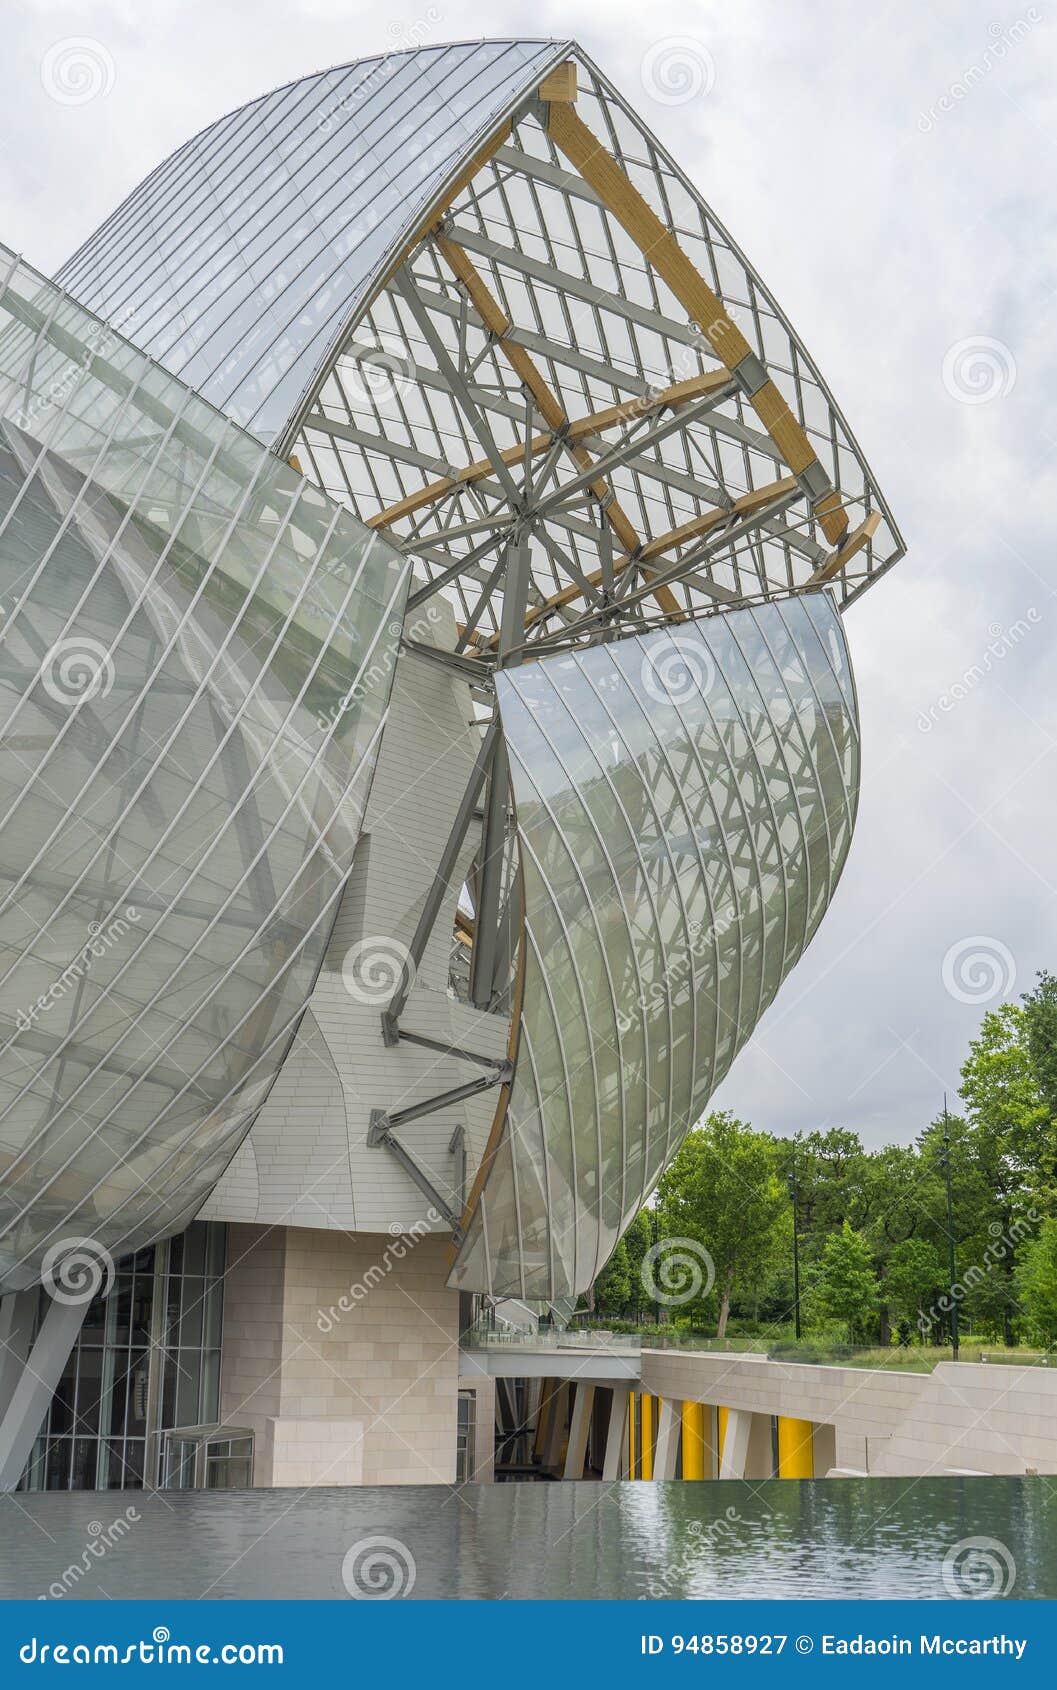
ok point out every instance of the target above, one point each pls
(946, 1164)
(793, 1192)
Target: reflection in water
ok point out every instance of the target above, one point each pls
(824, 1538)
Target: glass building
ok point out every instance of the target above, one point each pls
(430, 740)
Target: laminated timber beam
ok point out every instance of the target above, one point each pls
(761, 498)
(545, 399)
(601, 171)
(580, 428)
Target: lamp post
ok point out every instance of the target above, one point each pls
(950, 1226)
(793, 1192)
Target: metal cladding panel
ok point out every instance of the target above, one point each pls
(685, 802)
(239, 262)
(196, 659)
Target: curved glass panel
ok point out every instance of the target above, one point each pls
(196, 658)
(685, 802)
(239, 261)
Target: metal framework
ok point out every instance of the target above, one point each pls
(533, 361)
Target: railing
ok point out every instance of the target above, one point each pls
(807, 1351)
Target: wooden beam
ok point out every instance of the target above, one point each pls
(437, 212)
(597, 422)
(857, 540)
(659, 246)
(560, 84)
(669, 542)
(545, 399)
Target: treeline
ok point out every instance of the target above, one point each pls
(872, 1226)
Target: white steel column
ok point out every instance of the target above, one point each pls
(616, 1435)
(667, 1446)
(735, 1444)
(35, 1388)
(17, 1311)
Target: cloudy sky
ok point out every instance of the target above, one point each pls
(889, 170)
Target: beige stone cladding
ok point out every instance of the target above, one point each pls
(341, 1353)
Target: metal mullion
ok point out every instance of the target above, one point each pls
(474, 416)
(291, 958)
(196, 790)
(72, 517)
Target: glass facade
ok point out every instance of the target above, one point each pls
(241, 260)
(685, 802)
(198, 655)
(147, 1358)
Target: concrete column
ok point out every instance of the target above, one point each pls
(736, 1428)
(615, 1460)
(17, 1313)
(759, 1463)
(667, 1449)
(823, 1450)
(583, 1403)
(35, 1388)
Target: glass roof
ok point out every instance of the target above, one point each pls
(240, 260)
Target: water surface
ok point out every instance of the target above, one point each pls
(716, 1539)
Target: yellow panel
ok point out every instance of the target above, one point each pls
(721, 1429)
(794, 1448)
(647, 1436)
(693, 1440)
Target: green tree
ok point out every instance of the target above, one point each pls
(612, 1289)
(846, 1285)
(1037, 1284)
(722, 1192)
(913, 1279)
